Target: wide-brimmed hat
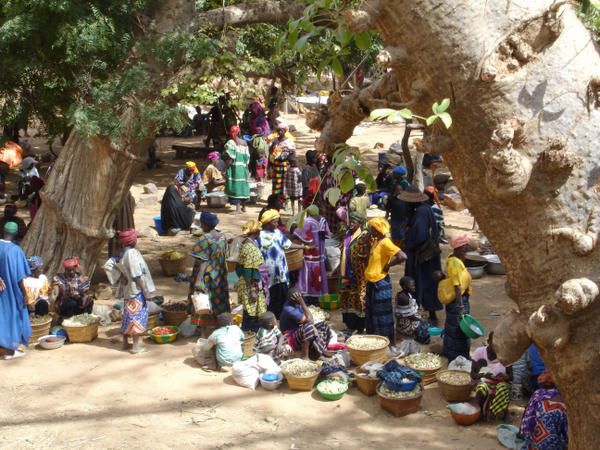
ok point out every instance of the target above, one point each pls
(412, 194)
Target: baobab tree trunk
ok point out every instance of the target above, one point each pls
(524, 151)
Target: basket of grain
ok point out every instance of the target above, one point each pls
(295, 259)
(455, 385)
(400, 403)
(301, 374)
(174, 313)
(427, 363)
(367, 348)
(366, 384)
(248, 343)
(172, 263)
(82, 328)
(40, 326)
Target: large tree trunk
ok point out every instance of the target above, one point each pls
(524, 151)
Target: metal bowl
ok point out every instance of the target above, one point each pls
(216, 200)
(476, 272)
(494, 266)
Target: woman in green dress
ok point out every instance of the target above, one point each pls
(237, 158)
(209, 274)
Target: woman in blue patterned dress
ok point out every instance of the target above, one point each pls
(209, 274)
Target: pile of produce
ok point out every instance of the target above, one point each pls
(301, 368)
(332, 387)
(172, 255)
(365, 343)
(455, 378)
(424, 361)
(162, 331)
(399, 395)
(39, 319)
(318, 314)
(181, 305)
(82, 320)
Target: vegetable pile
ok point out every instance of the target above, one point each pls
(399, 395)
(39, 319)
(172, 255)
(175, 306)
(366, 343)
(318, 314)
(301, 368)
(82, 320)
(455, 378)
(332, 387)
(424, 361)
(162, 331)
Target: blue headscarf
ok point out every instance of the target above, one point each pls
(399, 170)
(35, 262)
(209, 219)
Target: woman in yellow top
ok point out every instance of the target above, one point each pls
(384, 254)
(456, 343)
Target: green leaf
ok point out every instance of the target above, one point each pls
(382, 113)
(444, 105)
(370, 182)
(406, 113)
(301, 43)
(307, 25)
(446, 118)
(293, 26)
(299, 219)
(336, 66)
(347, 182)
(435, 108)
(595, 4)
(430, 120)
(333, 195)
(293, 38)
(344, 36)
(363, 40)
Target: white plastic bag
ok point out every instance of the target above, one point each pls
(187, 329)
(153, 308)
(460, 363)
(334, 255)
(112, 272)
(201, 303)
(103, 311)
(247, 373)
(408, 347)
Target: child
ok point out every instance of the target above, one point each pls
(361, 202)
(37, 287)
(293, 184)
(227, 340)
(409, 323)
(269, 335)
(261, 166)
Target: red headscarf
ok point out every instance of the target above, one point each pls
(128, 237)
(71, 263)
(234, 132)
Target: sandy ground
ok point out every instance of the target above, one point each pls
(97, 396)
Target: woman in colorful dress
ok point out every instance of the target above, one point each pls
(282, 148)
(350, 296)
(209, 274)
(212, 178)
(136, 285)
(360, 250)
(189, 183)
(312, 280)
(37, 287)
(73, 290)
(237, 157)
(251, 289)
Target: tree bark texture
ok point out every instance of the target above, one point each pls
(524, 151)
(272, 12)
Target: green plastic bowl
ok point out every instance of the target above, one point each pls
(164, 338)
(330, 396)
(471, 327)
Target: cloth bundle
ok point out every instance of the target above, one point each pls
(393, 373)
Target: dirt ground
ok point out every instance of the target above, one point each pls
(97, 396)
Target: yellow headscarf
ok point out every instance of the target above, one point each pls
(251, 227)
(269, 216)
(380, 224)
(192, 165)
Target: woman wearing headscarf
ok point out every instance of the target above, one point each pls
(174, 215)
(212, 178)
(189, 182)
(136, 287)
(312, 280)
(209, 274)
(237, 157)
(258, 121)
(252, 290)
(282, 148)
(422, 250)
(353, 310)
(73, 290)
(384, 254)
(37, 287)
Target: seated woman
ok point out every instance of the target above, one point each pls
(544, 424)
(174, 215)
(300, 332)
(73, 290)
(409, 323)
(212, 177)
(37, 287)
(189, 183)
(493, 389)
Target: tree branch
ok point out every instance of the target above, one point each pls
(273, 12)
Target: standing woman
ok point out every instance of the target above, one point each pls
(137, 286)
(209, 274)
(237, 157)
(251, 289)
(353, 310)
(282, 148)
(384, 254)
(422, 250)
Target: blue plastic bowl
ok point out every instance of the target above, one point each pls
(269, 376)
(247, 138)
(435, 331)
(158, 225)
(408, 386)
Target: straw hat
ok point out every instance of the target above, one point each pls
(412, 195)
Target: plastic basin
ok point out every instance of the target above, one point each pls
(471, 327)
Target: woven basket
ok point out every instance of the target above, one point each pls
(366, 385)
(82, 334)
(248, 344)
(428, 375)
(299, 383)
(295, 259)
(359, 357)
(172, 267)
(174, 317)
(152, 321)
(451, 392)
(399, 407)
(40, 329)
(231, 265)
